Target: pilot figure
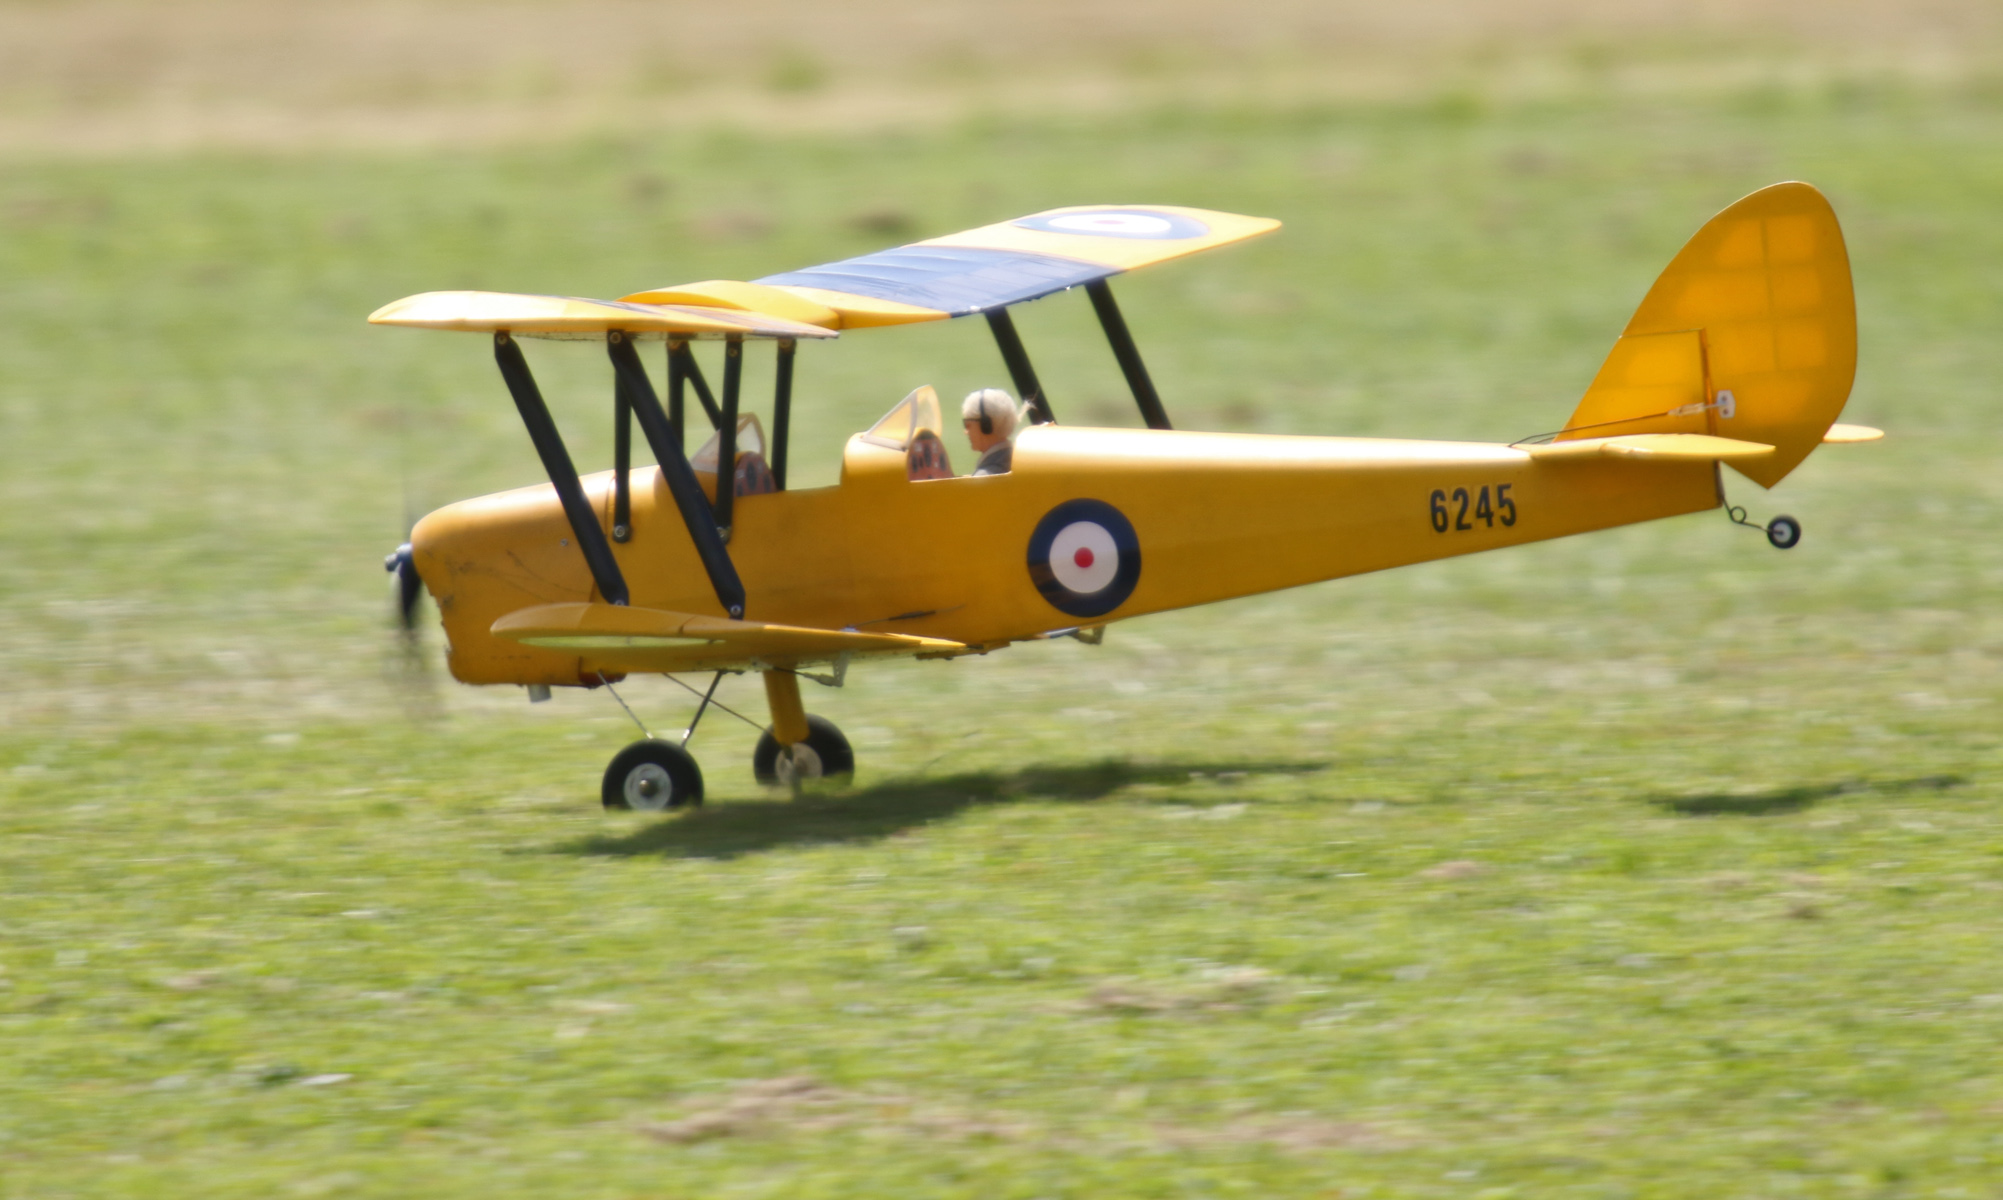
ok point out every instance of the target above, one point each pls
(989, 416)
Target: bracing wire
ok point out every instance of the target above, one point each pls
(714, 703)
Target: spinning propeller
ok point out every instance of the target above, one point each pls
(408, 587)
(411, 669)
(415, 679)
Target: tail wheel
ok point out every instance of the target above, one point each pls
(652, 776)
(824, 755)
(1784, 532)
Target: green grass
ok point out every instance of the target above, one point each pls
(1650, 864)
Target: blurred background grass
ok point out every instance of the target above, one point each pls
(121, 76)
(1730, 810)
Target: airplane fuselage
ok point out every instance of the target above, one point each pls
(1091, 526)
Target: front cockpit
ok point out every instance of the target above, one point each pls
(753, 476)
(913, 427)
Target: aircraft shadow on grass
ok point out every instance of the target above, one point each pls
(895, 806)
(902, 804)
(1775, 801)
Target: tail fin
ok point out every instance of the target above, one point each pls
(1750, 333)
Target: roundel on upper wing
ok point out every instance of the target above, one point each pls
(1119, 222)
(1084, 558)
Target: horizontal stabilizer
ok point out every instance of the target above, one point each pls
(577, 319)
(1654, 447)
(1844, 435)
(646, 638)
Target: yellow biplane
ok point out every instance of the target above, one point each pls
(1742, 354)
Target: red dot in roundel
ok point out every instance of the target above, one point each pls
(1084, 558)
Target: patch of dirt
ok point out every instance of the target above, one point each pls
(800, 1104)
(1294, 1133)
(754, 1107)
(1804, 906)
(1125, 996)
(795, 1104)
(1216, 990)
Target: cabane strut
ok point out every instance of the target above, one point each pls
(667, 446)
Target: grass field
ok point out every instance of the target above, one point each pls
(1648, 864)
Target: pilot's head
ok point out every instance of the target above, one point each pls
(989, 416)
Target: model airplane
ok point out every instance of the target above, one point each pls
(1741, 354)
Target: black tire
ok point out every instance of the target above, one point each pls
(652, 776)
(1784, 533)
(827, 756)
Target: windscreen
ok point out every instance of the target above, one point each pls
(750, 440)
(897, 428)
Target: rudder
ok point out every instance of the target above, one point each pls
(1749, 333)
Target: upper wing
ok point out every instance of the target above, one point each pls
(570, 317)
(614, 637)
(990, 267)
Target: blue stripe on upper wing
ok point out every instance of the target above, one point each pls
(951, 279)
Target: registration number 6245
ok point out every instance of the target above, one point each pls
(1458, 510)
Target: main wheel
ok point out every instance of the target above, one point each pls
(652, 776)
(824, 755)
(1783, 532)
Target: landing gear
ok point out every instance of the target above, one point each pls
(1783, 533)
(798, 748)
(823, 754)
(652, 776)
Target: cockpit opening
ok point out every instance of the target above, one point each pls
(753, 476)
(913, 426)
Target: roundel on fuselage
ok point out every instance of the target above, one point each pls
(1085, 558)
